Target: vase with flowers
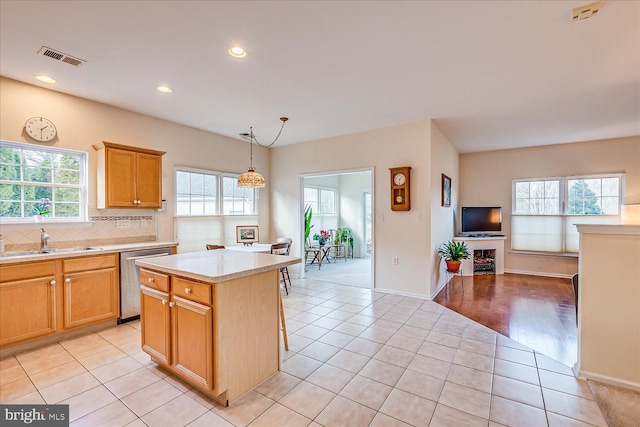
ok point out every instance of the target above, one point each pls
(42, 208)
(323, 237)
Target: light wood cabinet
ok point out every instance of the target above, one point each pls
(27, 302)
(128, 177)
(193, 340)
(176, 330)
(220, 337)
(90, 296)
(155, 320)
(52, 297)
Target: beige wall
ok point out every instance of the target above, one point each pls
(444, 160)
(485, 180)
(609, 305)
(396, 234)
(81, 123)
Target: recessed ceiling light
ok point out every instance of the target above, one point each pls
(237, 52)
(46, 79)
(164, 89)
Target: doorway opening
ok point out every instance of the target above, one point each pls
(339, 245)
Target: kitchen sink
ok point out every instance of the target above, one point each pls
(13, 254)
(63, 250)
(48, 251)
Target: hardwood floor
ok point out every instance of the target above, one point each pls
(538, 312)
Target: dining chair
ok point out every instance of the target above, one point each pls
(282, 249)
(288, 240)
(212, 247)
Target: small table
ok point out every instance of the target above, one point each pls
(320, 254)
(263, 248)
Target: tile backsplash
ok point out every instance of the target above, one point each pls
(106, 227)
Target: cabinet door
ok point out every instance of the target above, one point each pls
(155, 322)
(27, 309)
(149, 181)
(193, 340)
(120, 176)
(90, 297)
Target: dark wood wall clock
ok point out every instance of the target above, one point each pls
(400, 188)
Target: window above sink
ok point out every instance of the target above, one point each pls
(35, 178)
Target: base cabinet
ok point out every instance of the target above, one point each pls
(178, 333)
(89, 297)
(27, 305)
(155, 319)
(193, 340)
(222, 337)
(50, 297)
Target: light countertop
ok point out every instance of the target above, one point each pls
(29, 256)
(219, 265)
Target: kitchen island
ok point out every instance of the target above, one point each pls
(212, 318)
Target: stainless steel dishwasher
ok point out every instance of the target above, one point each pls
(130, 281)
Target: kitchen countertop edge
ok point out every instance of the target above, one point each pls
(156, 264)
(93, 250)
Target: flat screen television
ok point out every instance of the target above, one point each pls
(481, 219)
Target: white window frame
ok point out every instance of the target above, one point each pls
(556, 233)
(219, 192)
(82, 185)
(320, 211)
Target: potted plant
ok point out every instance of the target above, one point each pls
(42, 208)
(453, 254)
(323, 237)
(308, 214)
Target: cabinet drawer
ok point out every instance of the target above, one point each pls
(194, 291)
(27, 271)
(71, 265)
(154, 280)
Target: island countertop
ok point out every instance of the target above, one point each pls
(218, 265)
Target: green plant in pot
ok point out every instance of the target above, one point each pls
(453, 254)
(308, 214)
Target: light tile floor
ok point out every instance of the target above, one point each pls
(357, 358)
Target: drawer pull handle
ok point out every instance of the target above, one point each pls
(67, 280)
(171, 304)
(187, 290)
(53, 282)
(150, 279)
(164, 301)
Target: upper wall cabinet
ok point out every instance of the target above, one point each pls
(128, 177)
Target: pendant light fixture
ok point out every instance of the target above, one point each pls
(251, 178)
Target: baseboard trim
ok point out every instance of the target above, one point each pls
(404, 294)
(13, 349)
(609, 380)
(539, 273)
(437, 291)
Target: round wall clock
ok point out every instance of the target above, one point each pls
(40, 129)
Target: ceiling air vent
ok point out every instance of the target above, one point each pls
(584, 12)
(59, 56)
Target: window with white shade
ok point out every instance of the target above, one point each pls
(209, 205)
(544, 210)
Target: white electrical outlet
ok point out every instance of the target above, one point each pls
(394, 260)
(123, 223)
(143, 223)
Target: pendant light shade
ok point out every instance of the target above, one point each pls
(251, 178)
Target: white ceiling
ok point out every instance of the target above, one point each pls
(493, 74)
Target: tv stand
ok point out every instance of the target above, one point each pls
(487, 254)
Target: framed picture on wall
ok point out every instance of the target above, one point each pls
(247, 234)
(446, 191)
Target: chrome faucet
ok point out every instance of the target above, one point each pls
(44, 237)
